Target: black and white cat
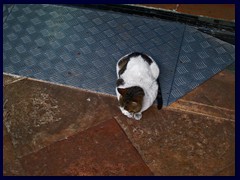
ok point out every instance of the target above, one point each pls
(137, 84)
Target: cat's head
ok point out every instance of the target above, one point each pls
(131, 98)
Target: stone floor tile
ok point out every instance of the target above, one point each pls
(194, 136)
(100, 150)
(218, 11)
(10, 79)
(174, 142)
(11, 164)
(203, 109)
(227, 171)
(38, 113)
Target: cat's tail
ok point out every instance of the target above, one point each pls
(159, 96)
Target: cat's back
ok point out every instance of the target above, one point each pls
(137, 66)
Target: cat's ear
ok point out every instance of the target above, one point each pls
(122, 91)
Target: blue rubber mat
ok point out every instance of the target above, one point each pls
(80, 47)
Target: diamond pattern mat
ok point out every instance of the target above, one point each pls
(80, 47)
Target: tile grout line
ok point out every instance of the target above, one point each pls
(211, 101)
(207, 115)
(17, 80)
(201, 104)
(62, 139)
(115, 119)
(176, 8)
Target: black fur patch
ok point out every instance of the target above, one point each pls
(120, 82)
(144, 56)
(122, 64)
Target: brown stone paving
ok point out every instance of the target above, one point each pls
(11, 164)
(218, 11)
(56, 130)
(37, 113)
(176, 143)
(101, 150)
(214, 98)
(193, 136)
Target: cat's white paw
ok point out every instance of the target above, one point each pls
(138, 116)
(126, 113)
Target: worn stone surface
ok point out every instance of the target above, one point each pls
(44, 124)
(9, 79)
(37, 113)
(100, 150)
(204, 109)
(11, 164)
(193, 136)
(218, 11)
(177, 143)
(228, 171)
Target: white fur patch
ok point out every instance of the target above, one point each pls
(140, 73)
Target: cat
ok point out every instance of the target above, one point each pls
(137, 85)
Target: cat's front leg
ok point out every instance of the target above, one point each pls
(138, 116)
(126, 113)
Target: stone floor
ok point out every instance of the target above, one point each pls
(218, 11)
(56, 130)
